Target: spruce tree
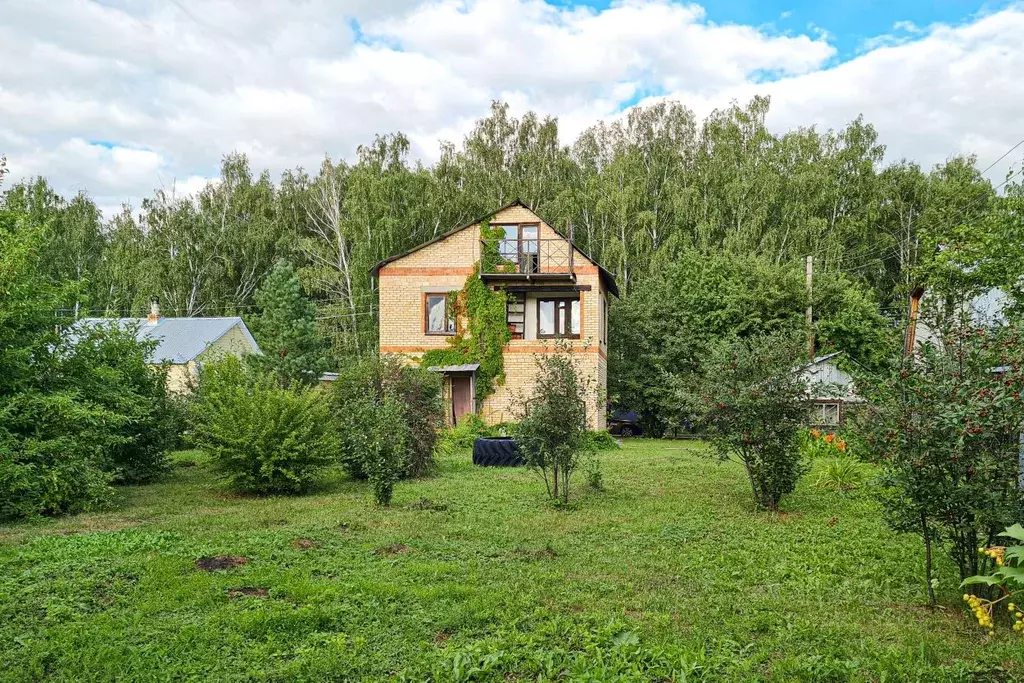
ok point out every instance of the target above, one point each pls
(287, 330)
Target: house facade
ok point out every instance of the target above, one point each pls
(556, 295)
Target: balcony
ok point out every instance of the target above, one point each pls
(540, 259)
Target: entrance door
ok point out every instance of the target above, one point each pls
(462, 396)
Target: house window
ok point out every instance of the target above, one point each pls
(558, 318)
(515, 315)
(520, 245)
(438, 318)
(826, 414)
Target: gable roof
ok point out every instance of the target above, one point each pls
(606, 277)
(179, 340)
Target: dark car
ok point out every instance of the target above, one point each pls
(624, 423)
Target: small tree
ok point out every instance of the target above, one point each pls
(552, 434)
(752, 401)
(287, 328)
(388, 415)
(945, 428)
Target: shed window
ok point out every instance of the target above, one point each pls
(826, 414)
(439, 318)
(558, 318)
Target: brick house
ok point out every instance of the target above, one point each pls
(557, 294)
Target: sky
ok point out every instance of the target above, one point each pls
(120, 97)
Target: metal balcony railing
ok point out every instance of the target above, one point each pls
(540, 256)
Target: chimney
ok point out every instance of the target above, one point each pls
(154, 312)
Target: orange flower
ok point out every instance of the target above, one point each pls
(841, 445)
(815, 433)
(829, 438)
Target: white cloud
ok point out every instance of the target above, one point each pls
(170, 87)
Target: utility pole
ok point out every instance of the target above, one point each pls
(810, 308)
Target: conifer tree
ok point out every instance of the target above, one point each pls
(286, 328)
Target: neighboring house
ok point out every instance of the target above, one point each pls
(182, 344)
(557, 294)
(832, 390)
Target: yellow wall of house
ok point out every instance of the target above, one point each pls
(181, 377)
(444, 266)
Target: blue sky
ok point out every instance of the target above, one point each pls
(849, 23)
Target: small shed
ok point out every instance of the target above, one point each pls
(183, 344)
(832, 390)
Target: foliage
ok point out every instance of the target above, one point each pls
(663, 330)
(601, 441)
(1007, 574)
(945, 428)
(546, 599)
(262, 437)
(655, 190)
(407, 400)
(841, 473)
(482, 340)
(552, 434)
(468, 429)
(109, 366)
(73, 416)
(817, 444)
(752, 402)
(286, 329)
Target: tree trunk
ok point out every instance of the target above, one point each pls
(928, 558)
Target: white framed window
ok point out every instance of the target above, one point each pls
(438, 318)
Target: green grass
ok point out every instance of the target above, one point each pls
(471, 575)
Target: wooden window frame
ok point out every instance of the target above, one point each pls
(519, 241)
(558, 300)
(449, 315)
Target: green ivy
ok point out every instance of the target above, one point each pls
(488, 334)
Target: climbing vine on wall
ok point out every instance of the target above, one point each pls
(483, 337)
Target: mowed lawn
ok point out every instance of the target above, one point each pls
(669, 574)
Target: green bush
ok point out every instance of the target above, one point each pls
(552, 436)
(752, 403)
(375, 382)
(843, 473)
(470, 427)
(77, 411)
(109, 366)
(262, 437)
(598, 440)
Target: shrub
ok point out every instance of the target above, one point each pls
(262, 437)
(843, 473)
(752, 403)
(376, 382)
(945, 427)
(75, 414)
(598, 440)
(109, 366)
(552, 436)
(469, 428)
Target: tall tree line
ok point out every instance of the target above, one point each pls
(641, 193)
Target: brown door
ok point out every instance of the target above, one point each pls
(462, 396)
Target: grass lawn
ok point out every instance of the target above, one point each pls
(669, 574)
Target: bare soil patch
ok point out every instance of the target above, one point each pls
(221, 562)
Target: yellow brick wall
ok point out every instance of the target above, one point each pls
(444, 266)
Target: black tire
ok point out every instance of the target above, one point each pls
(626, 431)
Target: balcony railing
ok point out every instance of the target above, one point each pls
(527, 257)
